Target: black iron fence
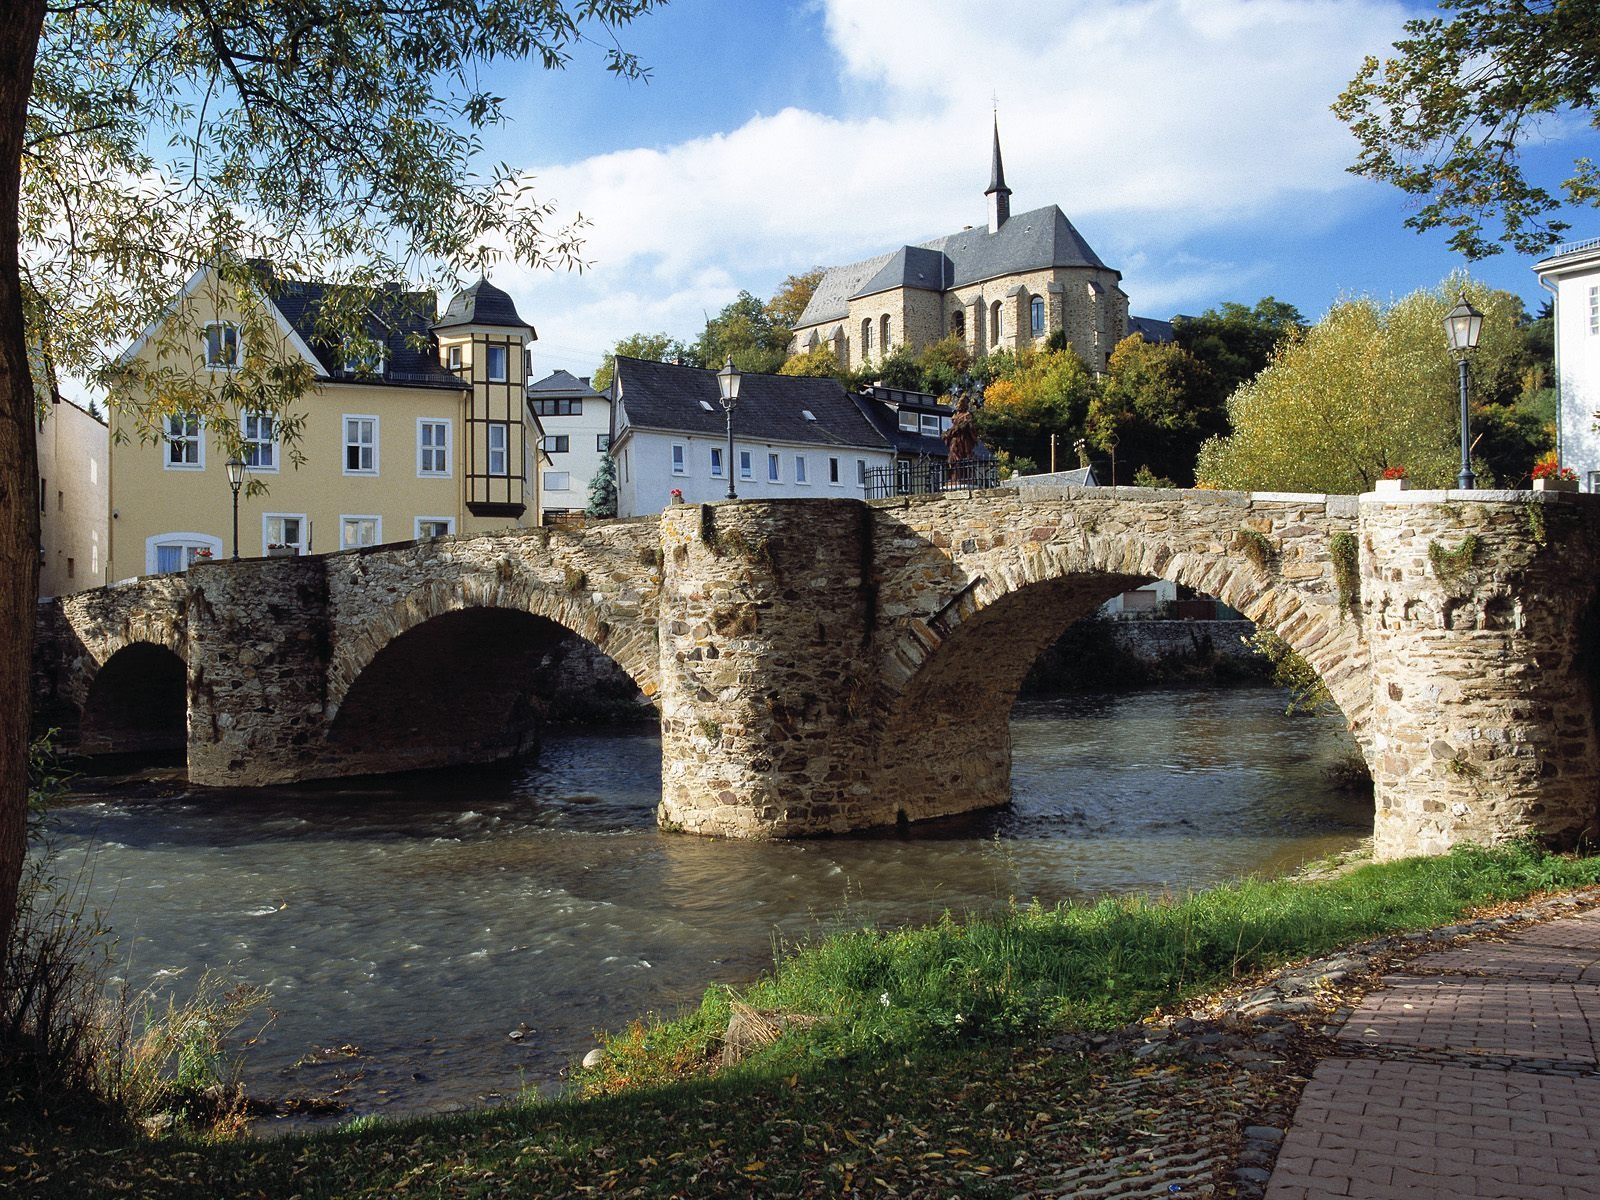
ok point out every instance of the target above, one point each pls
(922, 476)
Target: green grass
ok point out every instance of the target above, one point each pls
(931, 1092)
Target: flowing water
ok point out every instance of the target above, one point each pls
(406, 927)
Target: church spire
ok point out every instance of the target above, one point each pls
(999, 194)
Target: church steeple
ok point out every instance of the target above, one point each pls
(999, 194)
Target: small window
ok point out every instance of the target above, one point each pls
(43, 492)
(360, 445)
(1036, 315)
(861, 471)
(283, 529)
(747, 468)
(557, 443)
(558, 481)
(706, 404)
(716, 462)
(1594, 310)
(453, 357)
(930, 424)
(495, 364)
(185, 449)
(363, 361)
(994, 323)
(623, 462)
(433, 447)
(958, 325)
(883, 334)
(908, 420)
(71, 567)
(866, 338)
(499, 460)
(833, 470)
(258, 432)
(772, 469)
(678, 460)
(355, 532)
(432, 527)
(222, 345)
(800, 468)
(564, 407)
(808, 414)
(602, 442)
(170, 553)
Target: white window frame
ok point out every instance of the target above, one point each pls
(909, 420)
(505, 364)
(344, 458)
(747, 465)
(266, 530)
(449, 524)
(680, 458)
(248, 443)
(557, 481)
(602, 443)
(423, 470)
(774, 468)
(222, 362)
(556, 443)
(800, 471)
(355, 365)
(452, 358)
(197, 438)
(930, 424)
(1594, 309)
(716, 462)
(503, 449)
(189, 541)
(377, 529)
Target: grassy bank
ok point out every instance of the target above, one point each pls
(919, 1063)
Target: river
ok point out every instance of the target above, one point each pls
(405, 927)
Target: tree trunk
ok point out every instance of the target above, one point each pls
(21, 22)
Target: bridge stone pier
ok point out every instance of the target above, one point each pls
(823, 666)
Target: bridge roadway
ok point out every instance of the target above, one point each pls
(823, 666)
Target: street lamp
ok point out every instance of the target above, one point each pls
(728, 386)
(235, 469)
(1462, 324)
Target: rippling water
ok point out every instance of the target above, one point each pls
(420, 920)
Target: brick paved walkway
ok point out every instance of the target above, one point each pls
(1475, 1073)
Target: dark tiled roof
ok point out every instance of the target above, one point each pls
(1151, 329)
(668, 397)
(908, 267)
(1030, 241)
(563, 382)
(885, 418)
(481, 304)
(398, 320)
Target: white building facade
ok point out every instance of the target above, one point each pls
(1572, 275)
(793, 437)
(577, 438)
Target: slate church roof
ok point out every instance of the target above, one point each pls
(674, 399)
(481, 304)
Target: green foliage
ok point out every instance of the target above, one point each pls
(1307, 693)
(1146, 402)
(791, 298)
(1257, 547)
(603, 489)
(1345, 552)
(1365, 389)
(1043, 393)
(744, 330)
(820, 362)
(1233, 342)
(900, 369)
(1453, 568)
(1446, 119)
(945, 365)
(651, 347)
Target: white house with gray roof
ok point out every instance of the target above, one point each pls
(1006, 286)
(1572, 274)
(793, 437)
(577, 437)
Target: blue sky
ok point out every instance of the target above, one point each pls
(1188, 140)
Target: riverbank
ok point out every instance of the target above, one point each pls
(1046, 1049)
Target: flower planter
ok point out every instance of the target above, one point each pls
(1552, 484)
(282, 552)
(1392, 485)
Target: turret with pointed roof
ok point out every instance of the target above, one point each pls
(482, 304)
(999, 194)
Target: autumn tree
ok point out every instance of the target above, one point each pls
(142, 139)
(791, 298)
(1365, 389)
(1447, 118)
(1046, 392)
(1147, 403)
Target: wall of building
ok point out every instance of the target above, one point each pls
(74, 484)
(584, 432)
(1579, 360)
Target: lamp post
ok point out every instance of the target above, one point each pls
(235, 469)
(1462, 324)
(728, 387)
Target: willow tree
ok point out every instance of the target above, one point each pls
(1366, 389)
(142, 139)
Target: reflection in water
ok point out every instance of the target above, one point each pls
(422, 919)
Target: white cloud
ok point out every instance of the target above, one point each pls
(1148, 122)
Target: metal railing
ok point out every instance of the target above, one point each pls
(923, 476)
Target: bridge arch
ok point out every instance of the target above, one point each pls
(135, 701)
(954, 668)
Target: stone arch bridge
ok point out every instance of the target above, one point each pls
(824, 666)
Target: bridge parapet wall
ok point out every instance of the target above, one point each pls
(1480, 610)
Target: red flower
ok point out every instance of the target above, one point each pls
(1548, 468)
(1394, 473)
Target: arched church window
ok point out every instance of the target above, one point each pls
(1036, 315)
(994, 323)
(883, 331)
(958, 324)
(866, 338)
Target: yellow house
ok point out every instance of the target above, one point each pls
(423, 430)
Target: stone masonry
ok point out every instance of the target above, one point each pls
(823, 666)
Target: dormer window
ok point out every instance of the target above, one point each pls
(706, 404)
(908, 420)
(808, 414)
(222, 345)
(452, 358)
(363, 359)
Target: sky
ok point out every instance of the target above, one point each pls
(1189, 141)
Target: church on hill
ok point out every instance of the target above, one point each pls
(1006, 286)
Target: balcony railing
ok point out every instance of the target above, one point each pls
(923, 476)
